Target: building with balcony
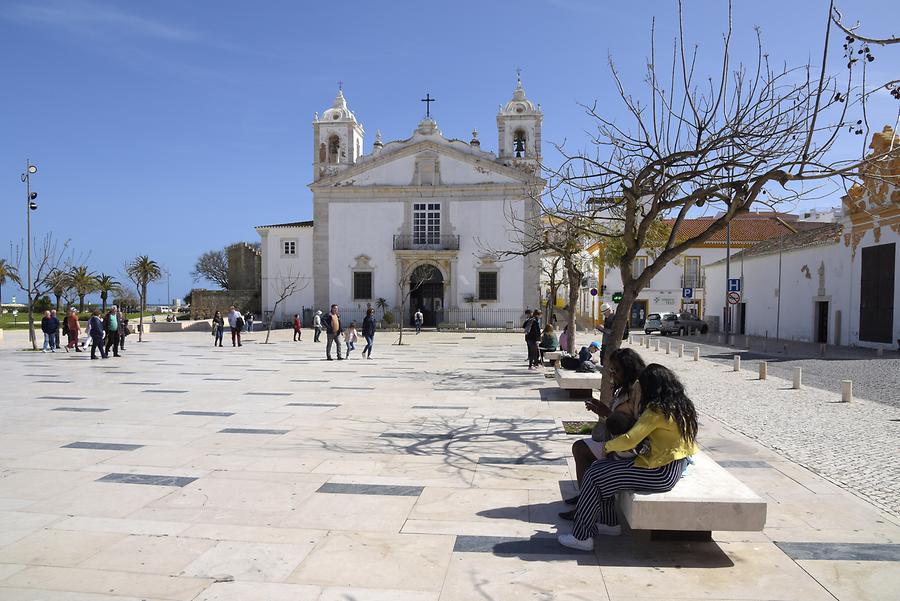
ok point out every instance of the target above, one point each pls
(682, 284)
(421, 221)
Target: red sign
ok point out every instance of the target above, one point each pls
(734, 298)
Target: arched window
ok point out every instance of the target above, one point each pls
(323, 153)
(519, 143)
(334, 148)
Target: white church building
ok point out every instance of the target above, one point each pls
(423, 221)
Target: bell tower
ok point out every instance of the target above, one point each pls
(337, 139)
(519, 130)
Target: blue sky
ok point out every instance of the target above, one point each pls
(169, 128)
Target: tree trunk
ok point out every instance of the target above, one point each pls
(143, 303)
(400, 322)
(58, 299)
(81, 303)
(31, 335)
(614, 338)
(103, 300)
(573, 277)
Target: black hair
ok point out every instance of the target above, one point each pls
(662, 390)
(618, 423)
(629, 366)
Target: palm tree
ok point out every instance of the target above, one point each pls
(143, 270)
(104, 284)
(382, 304)
(7, 272)
(60, 284)
(84, 282)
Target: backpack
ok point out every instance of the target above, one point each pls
(569, 362)
(239, 323)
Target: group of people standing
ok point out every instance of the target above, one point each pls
(105, 333)
(539, 338)
(335, 333)
(236, 323)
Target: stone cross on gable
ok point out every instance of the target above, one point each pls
(428, 100)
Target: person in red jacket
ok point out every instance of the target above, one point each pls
(297, 325)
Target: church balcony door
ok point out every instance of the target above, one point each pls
(427, 296)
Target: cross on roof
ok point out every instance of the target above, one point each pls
(428, 100)
(340, 85)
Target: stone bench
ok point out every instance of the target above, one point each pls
(553, 357)
(707, 498)
(580, 385)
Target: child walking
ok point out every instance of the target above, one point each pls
(350, 338)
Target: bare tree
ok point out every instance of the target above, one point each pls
(422, 270)
(213, 266)
(48, 258)
(551, 274)
(748, 135)
(286, 286)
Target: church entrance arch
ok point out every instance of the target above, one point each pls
(427, 294)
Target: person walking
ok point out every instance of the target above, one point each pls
(418, 318)
(248, 319)
(236, 323)
(317, 325)
(297, 325)
(54, 337)
(333, 331)
(368, 332)
(45, 328)
(123, 329)
(606, 329)
(533, 338)
(526, 327)
(218, 326)
(95, 332)
(111, 327)
(350, 338)
(73, 329)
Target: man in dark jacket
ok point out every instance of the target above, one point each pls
(47, 329)
(54, 335)
(111, 325)
(333, 331)
(95, 332)
(532, 338)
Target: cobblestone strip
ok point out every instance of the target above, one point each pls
(854, 445)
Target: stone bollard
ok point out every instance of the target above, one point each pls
(696, 353)
(822, 350)
(846, 391)
(668, 348)
(879, 352)
(737, 363)
(798, 375)
(646, 342)
(680, 351)
(763, 370)
(656, 345)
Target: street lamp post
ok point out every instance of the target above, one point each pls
(30, 206)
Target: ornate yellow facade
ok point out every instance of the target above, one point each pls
(875, 203)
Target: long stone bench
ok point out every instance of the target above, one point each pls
(553, 356)
(707, 498)
(580, 385)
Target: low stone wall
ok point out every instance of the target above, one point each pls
(205, 303)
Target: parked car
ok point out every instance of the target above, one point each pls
(654, 322)
(682, 323)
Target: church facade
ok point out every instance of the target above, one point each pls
(428, 222)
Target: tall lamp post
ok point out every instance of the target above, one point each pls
(30, 206)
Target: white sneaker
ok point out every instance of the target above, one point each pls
(605, 530)
(43, 350)
(569, 540)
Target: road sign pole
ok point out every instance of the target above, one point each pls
(726, 317)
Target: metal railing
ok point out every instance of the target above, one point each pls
(693, 280)
(410, 242)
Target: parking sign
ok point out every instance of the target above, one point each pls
(687, 293)
(734, 285)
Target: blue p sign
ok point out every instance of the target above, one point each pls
(734, 285)
(687, 293)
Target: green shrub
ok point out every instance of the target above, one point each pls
(389, 317)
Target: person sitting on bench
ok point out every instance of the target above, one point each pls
(669, 419)
(549, 341)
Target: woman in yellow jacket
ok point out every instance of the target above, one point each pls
(669, 421)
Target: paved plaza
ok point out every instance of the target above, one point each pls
(434, 472)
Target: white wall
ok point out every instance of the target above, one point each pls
(362, 228)
(800, 285)
(276, 268)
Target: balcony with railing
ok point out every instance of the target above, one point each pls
(693, 280)
(410, 242)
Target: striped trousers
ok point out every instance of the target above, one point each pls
(605, 478)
